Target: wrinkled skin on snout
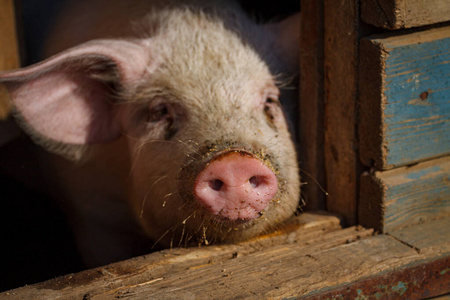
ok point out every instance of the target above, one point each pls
(209, 157)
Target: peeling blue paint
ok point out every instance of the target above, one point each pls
(417, 108)
(361, 296)
(379, 295)
(382, 291)
(423, 173)
(417, 193)
(400, 288)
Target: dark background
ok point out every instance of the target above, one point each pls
(37, 243)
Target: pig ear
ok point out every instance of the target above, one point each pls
(286, 35)
(67, 98)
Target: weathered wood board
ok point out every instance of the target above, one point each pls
(340, 264)
(396, 14)
(419, 280)
(408, 195)
(340, 116)
(425, 237)
(9, 55)
(404, 95)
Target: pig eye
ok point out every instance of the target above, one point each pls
(269, 107)
(161, 120)
(158, 113)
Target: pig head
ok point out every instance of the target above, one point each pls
(188, 101)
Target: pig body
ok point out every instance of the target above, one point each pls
(167, 122)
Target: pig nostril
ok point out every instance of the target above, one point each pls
(216, 184)
(254, 181)
(235, 187)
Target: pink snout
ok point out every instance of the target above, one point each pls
(235, 186)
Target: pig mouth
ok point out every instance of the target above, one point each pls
(232, 187)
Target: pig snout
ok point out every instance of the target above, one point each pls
(235, 185)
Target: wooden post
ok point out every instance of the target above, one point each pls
(341, 23)
(9, 55)
(311, 105)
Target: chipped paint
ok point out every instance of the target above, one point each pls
(400, 288)
(422, 280)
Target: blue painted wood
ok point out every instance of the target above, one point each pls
(406, 195)
(417, 128)
(417, 195)
(414, 98)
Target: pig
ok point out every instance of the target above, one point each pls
(163, 122)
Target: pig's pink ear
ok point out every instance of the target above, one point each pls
(67, 98)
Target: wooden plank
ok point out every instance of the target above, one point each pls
(340, 73)
(409, 195)
(397, 14)
(380, 265)
(349, 262)
(279, 273)
(311, 108)
(404, 94)
(356, 263)
(9, 55)
(309, 228)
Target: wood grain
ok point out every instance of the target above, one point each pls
(311, 127)
(341, 146)
(9, 57)
(404, 94)
(291, 273)
(404, 196)
(426, 237)
(397, 14)
(336, 261)
(307, 228)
